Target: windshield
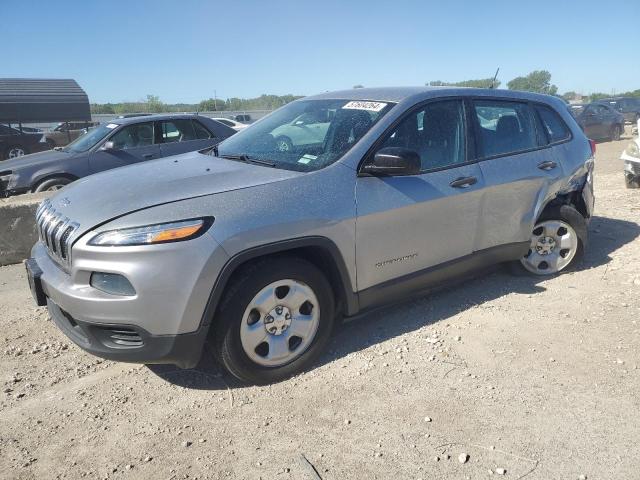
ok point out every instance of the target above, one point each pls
(305, 135)
(89, 139)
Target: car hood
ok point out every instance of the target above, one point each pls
(35, 159)
(99, 198)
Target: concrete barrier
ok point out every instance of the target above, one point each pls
(18, 227)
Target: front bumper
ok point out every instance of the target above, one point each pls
(162, 323)
(130, 343)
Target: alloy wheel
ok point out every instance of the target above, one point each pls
(16, 152)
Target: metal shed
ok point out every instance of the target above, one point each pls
(39, 100)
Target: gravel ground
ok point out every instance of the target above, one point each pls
(501, 375)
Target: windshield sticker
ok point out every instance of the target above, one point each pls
(306, 158)
(370, 106)
(112, 125)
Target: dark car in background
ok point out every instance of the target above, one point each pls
(16, 142)
(599, 121)
(629, 107)
(66, 132)
(115, 144)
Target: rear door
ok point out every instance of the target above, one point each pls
(407, 224)
(518, 170)
(182, 135)
(132, 144)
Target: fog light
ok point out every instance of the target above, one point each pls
(112, 283)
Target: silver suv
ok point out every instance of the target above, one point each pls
(261, 250)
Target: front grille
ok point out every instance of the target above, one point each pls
(55, 231)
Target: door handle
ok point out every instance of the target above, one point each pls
(463, 182)
(549, 165)
(148, 156)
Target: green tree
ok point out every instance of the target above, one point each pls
(358, 86)
(154, 105)
(211, 105)
(538, 81)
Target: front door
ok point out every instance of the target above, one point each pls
(406, 224)
(131, 144)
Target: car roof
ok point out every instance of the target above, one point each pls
(399, 94)
(154, 117)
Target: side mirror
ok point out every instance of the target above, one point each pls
(108, 146)
(394, 161)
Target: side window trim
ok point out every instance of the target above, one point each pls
(469, 160)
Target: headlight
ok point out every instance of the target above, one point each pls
(633, 150)
(152, 234)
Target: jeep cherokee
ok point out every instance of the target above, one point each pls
(260, 250)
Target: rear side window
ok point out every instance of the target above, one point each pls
(553, 126)
(201, 132)
(178, 130)
(505, 127)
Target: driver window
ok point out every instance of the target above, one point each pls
(132, 136)
(435, 132)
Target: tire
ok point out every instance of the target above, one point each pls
(51, 144)
(548, 257)
(52, 184)
(616, 131)
(15, 151)
(246, 316)
(631, 182)
(284, 144)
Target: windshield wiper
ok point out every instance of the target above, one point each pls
(248, 159)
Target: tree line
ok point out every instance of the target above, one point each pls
(538, 81)
(153, 104)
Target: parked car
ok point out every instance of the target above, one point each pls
(66, 132)
(115, 144)
(309, 128)
(16, 143)
(237, 126)
(244, 118)
(261, 251)
(629, 107)
(132, 115)
(599, 121)
(631, 158)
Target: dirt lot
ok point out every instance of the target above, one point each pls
(537, 377)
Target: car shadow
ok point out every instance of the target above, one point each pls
(606, 236)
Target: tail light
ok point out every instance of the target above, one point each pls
(592, 144)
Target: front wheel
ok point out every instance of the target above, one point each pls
(276, 319)
(16, 151)
(52, 184)
(284, 144)
(557, 242)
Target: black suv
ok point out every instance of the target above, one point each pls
(113, 144)
(629, 107)
(599, 121)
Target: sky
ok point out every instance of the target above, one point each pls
(189, 50)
